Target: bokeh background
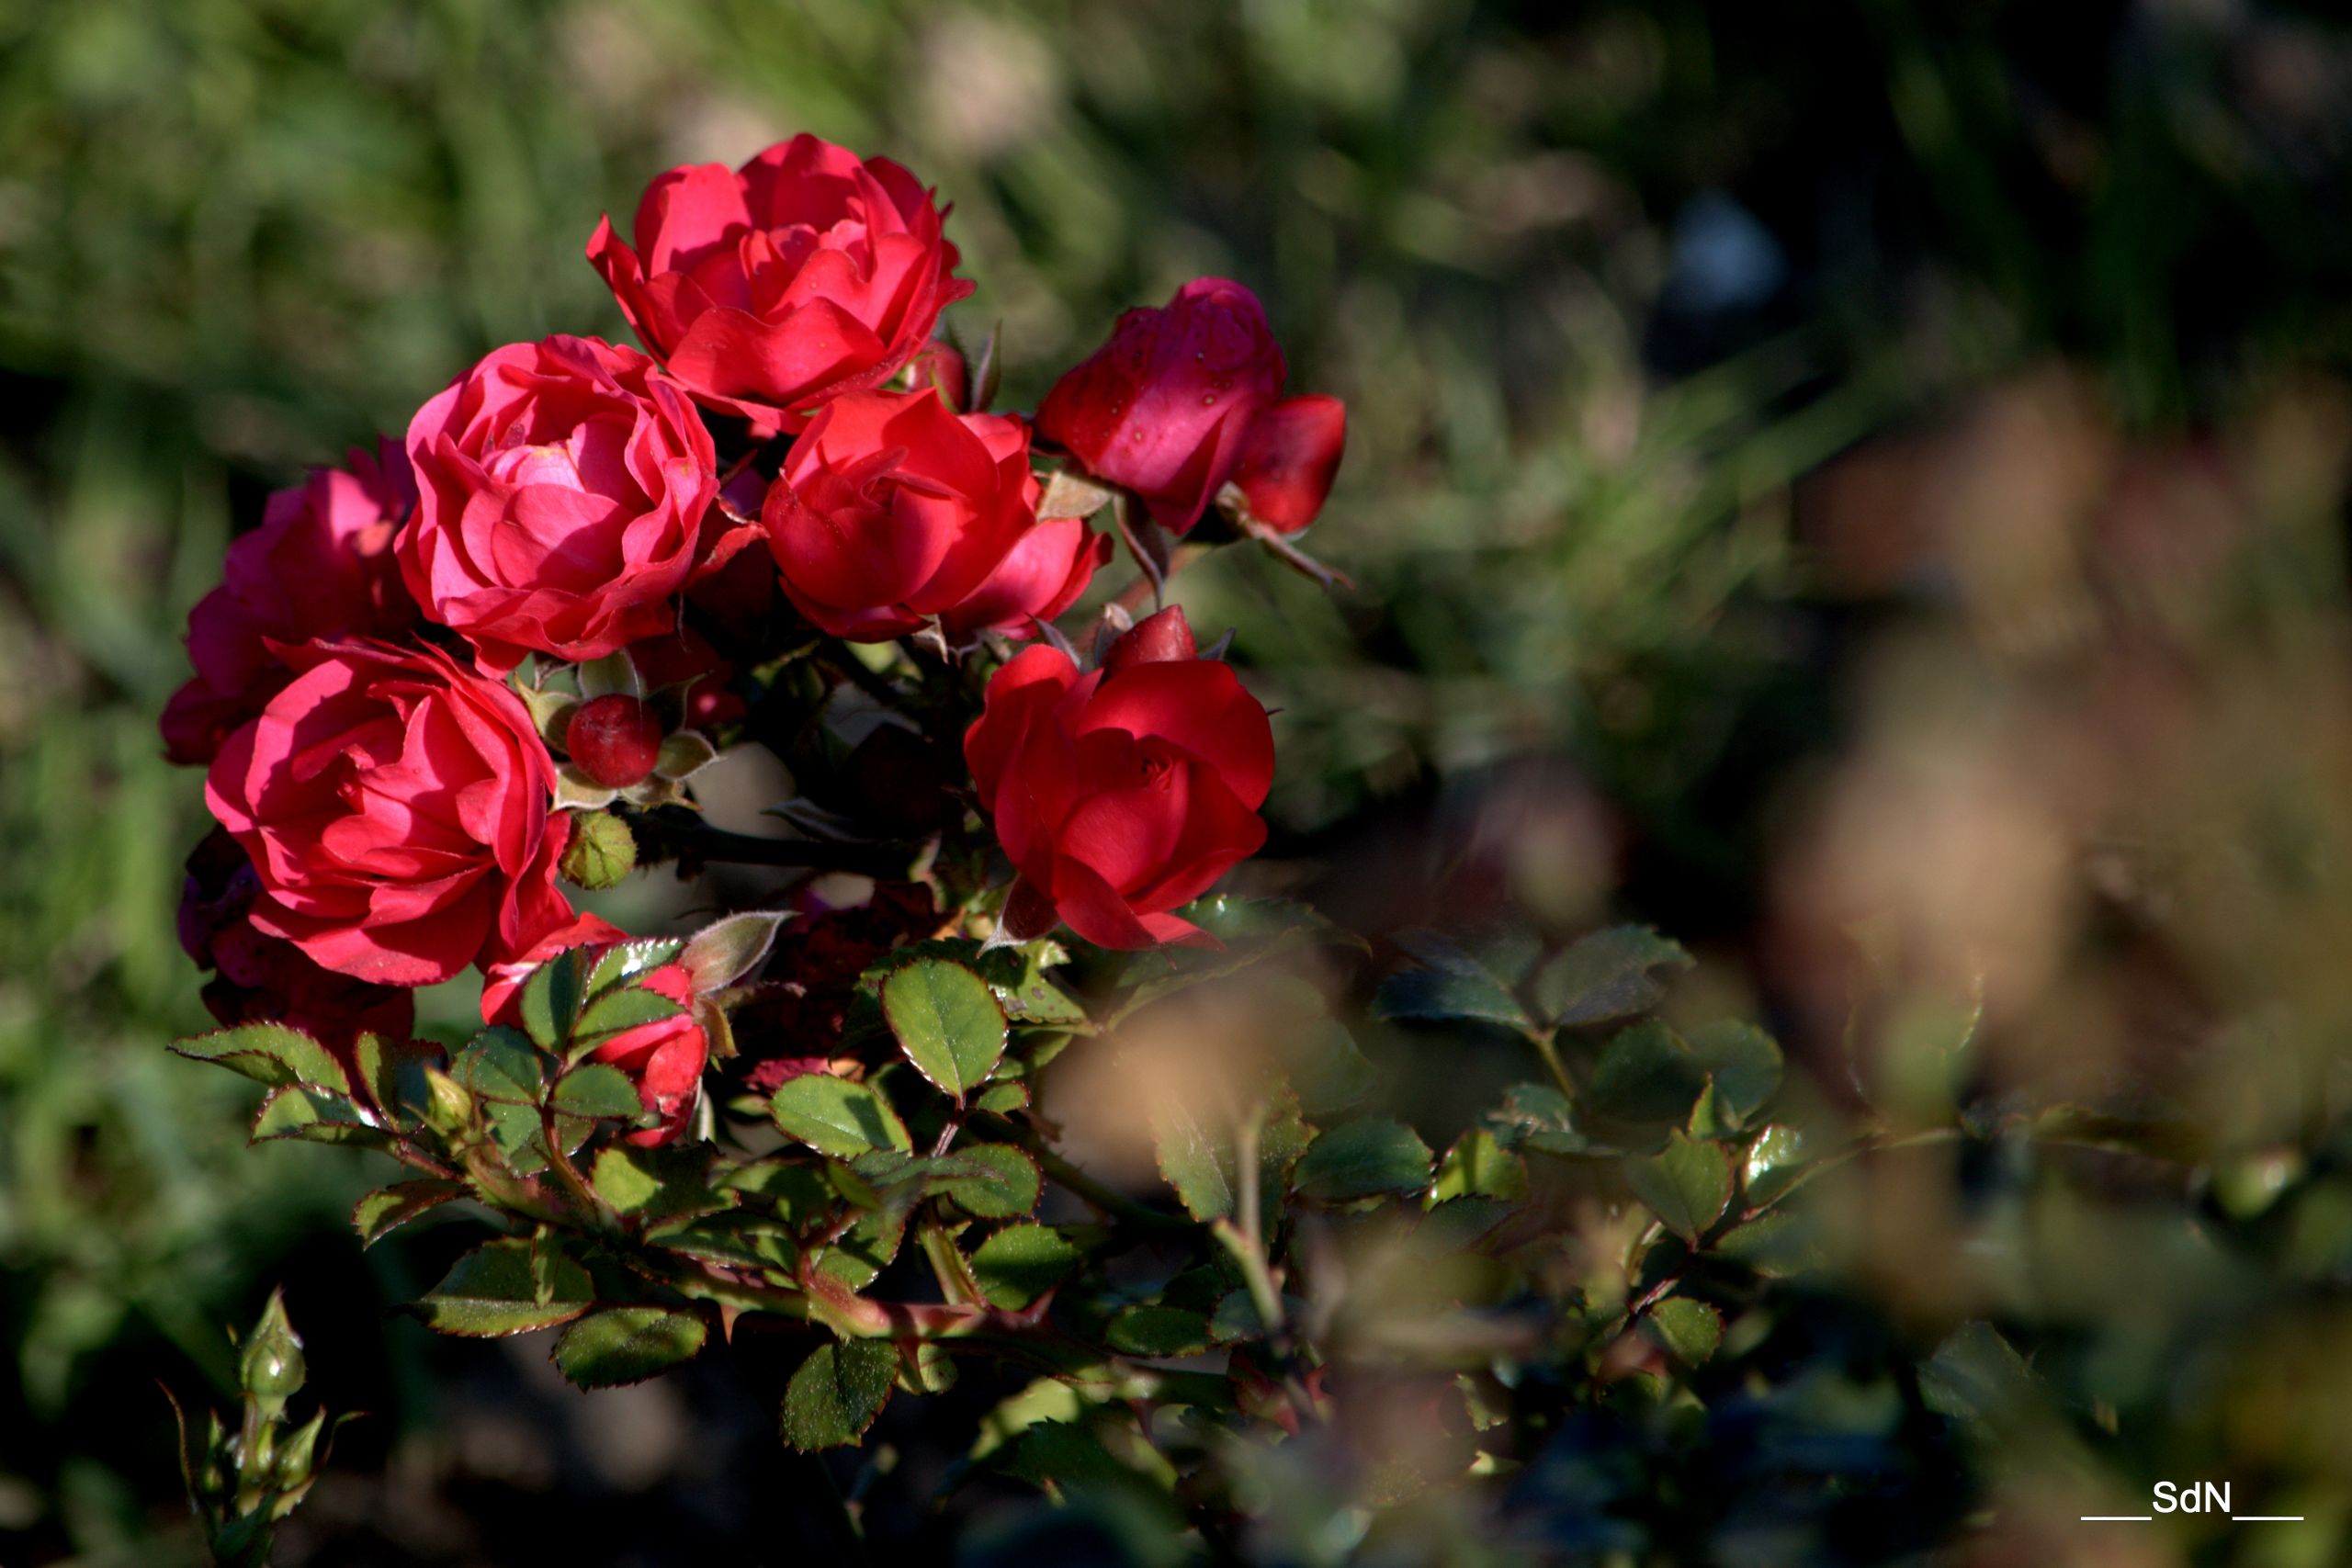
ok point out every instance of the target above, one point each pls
(1861, 485)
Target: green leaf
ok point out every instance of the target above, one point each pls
(625, 1345)
(1538, 1116)
(1157, 1331)
(1478, 1166)
(837, 1392)
(1021, 1263)
(1472, 977)
(1775, 1246)
(1648, 1074)
(380, 1212)
(291, 1110)
(1978, 1378)
(1743, 1062)
(501, 1065)
(625, 1007)
(597, 1090)
(1688, 1330)
(392, 1072)
(867, 1248)
(1329, 1071)
(726, 950)
(1606, 975)
(1199, 1161)
(668, 1183)
(626, 961)
(835, 1116)
(1687, 1187)
(268, 1052)
(1363, 1159)
(552, 997)
(947, 1021)
(988, 1182)
(495, 1290)
(1775, 1162)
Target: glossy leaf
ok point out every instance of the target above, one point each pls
(989, 1181)
(1687, 1187)
(1363, 1159)
(835, 1116)
(599, 1091)
(947, 1021)
(267, 1053)
(552, 997)
(495, 1290)
(1020, 1263)
(1610, 975)
(498, 1064)
(380, 1212)
(1688, 1330)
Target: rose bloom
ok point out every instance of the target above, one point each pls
(804, 275)
(264, 979)
(892, 509)
(320, 565)
(563, 488)
(663, 1058)
(1288, 459)
(1163, 408)
(395, 806)
(1123, 792)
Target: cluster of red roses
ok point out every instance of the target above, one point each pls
(392, 809)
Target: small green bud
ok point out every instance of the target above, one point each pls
(449, 1105)
(271, 1369)
(601, 853)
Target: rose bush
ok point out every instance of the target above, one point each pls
(563, 487)
(1123, 792)
(320, 565)
(893, 511)
(773, 288)
(396, 809)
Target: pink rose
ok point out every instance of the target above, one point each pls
(1123, 792)
(564, 487)
(395, 806)
(320, 565)
(1163, 408)
(770, 290)
(892, 509)
(1288, 459)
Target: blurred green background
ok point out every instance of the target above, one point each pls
(1793, 448)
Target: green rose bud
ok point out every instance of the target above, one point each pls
(602, 851)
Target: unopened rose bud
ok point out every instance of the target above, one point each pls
(271, 1366)
(1288, 459)
(615, 739)
(601, 853)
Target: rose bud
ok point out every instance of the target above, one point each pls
(664, 1058)
(770, 290)
(395, 806)
(1123, 792)
(1163, 408)
(320, 565)
(563, 488)
(1288, 459)
(264, 979)
(614, 738)
(892, 509)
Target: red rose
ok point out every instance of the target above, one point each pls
(267, 978)
(665, 1058)
(804, 275)
(396, 809)
(892, 509)
(1123, 792)
(563, 488)
(1161, 409)
(320, 565)
(1288, 459)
